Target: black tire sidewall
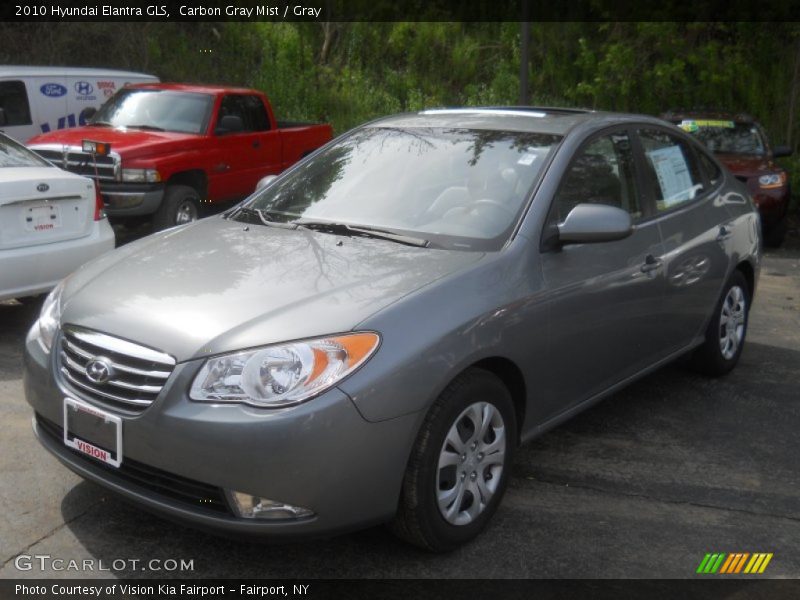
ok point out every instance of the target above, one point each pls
(713, 353)
(174, 196)
(481, 387)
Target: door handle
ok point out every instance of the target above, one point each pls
(651, 263)
(724, 233)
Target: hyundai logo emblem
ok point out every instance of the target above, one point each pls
(83, 88)
(99, 370)
(42, 187)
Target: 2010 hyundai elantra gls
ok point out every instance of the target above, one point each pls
(370, 336)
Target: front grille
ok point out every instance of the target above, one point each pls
(73, 159)
(188, 491)
(135, 374)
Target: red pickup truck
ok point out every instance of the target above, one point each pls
(170, 148)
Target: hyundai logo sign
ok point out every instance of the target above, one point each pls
(83, 88)
(42, 187)
(98, 370)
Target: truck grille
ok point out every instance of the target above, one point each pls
(112, 371)
(73, 159)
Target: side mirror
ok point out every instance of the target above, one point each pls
(779, 151)
(229, 124)
(265, 181)
(589, 223)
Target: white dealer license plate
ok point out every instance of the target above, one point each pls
(93, 432)
(45, 217)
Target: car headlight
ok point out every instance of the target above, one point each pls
(141, 175)
(773, 180)
(50, 317)
(283, 374)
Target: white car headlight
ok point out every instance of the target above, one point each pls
(772, 180)
(50, 317)
(141, 175)
(283, 374)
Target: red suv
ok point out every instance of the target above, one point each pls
(740, 143)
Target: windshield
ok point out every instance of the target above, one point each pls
(455, 188)
(13, 154)
(156, 110)
(726, 137)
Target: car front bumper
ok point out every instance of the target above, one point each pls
(321, 455)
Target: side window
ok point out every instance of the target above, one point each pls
(602, 173)
(256, 113)
(14, 102)
(711, 169)
(672, 175)
(232, 117)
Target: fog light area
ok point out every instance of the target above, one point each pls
(254, 507)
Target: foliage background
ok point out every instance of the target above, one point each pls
(348, 73)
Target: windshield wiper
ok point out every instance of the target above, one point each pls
(264, 216)
(364, 231)
(145, 127)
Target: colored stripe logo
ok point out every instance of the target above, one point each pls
(733, 563)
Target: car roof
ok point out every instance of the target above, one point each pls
(191, 87)
(552, 120)
(36, 71)
(719, 115)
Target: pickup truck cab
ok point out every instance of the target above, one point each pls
(173, 147)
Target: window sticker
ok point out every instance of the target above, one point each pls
(526, 159)
(673, 175)
(692, 125)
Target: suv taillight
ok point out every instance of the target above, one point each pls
(99, 208)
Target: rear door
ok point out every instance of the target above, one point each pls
(605, 298)
(694, 229)
(243, 155)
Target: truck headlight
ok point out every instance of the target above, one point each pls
(773, 180)
(282, 374)
(141, 175)
(50, 317)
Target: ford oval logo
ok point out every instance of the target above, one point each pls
(53, 90)
(99, 370)
(42, 187)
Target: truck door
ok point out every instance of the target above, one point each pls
(245, 149)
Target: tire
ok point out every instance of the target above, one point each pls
(774, 236)
(725, 335)
(180, 205)
(420, 519)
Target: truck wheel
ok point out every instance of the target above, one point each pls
(181, 204)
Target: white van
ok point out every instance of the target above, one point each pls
(36, 100)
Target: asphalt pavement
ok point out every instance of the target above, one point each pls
(642, 485)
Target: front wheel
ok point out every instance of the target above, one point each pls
(180, 205)
(727, 329)
(459, 467)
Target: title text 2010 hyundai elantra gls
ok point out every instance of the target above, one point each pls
(370, 336)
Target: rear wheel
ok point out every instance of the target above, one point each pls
(459, 466)
(180, 205)
(726, 331)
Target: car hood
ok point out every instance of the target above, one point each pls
(129, 143)
(217, 286)
(746, 165)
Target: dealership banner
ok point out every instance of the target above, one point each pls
(401, 589)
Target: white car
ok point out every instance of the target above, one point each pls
(51, 222)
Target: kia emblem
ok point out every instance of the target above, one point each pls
(42, 187)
